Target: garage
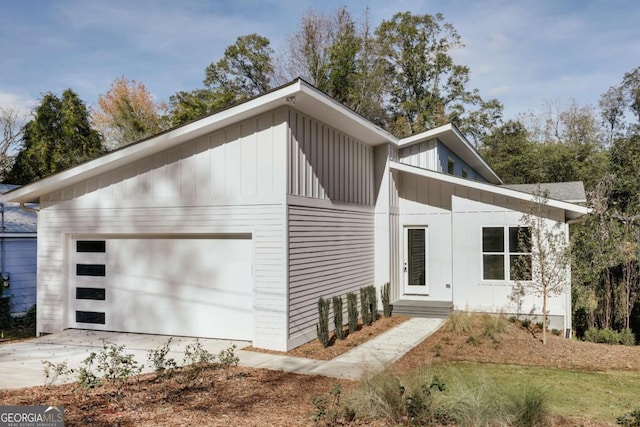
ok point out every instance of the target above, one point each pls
(170, 285)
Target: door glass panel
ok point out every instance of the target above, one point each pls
(416, 260)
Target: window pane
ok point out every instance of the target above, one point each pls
(451, 166)
(417, 267)
(492, 239)
(520, 267)
(90, 270)
(90, 317)
(90, 293)
(520, 239)
(90, 246)
(493, 267)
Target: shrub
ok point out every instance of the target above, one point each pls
(529, 407)
(352, 310)
(632, 419)
(627, 337)
(162, 365)
(337, 317)
(492, 326)
(196, 360)
(54, 371)
(329, 411)
(556, 332)
(373, 303)
(458, 323)
(609, 336)
(364, 307)
(385, 296)
(116, 365)
(322, 328)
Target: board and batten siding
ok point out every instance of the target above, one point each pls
(325, 163)
(20, 264)
(230, 181)
(331, 252)
(422, 155)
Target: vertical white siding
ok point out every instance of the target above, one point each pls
(421, 155)
(231, 181)
(331, 252)
(327, 164)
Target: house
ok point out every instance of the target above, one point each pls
(234, 225)
(17, 254)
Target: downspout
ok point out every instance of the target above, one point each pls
(28, 209)
(2, 245)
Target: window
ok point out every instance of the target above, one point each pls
(465, 173)
(90, 270)
(90, 246)
(506, 252)
(451, 166)
(90, 317)
(90, 293)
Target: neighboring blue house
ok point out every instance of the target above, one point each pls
(18, 249)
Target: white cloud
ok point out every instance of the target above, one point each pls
(19, 102)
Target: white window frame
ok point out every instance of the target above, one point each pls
(506, 254)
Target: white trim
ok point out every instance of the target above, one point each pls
(575, 210)
(410, 290)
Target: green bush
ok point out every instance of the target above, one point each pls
(373, 303)
(337, 317)
(322, 328)
(492, 326)
(609, 336)
(364, 307)
(632, 419)
(352, 310)
(627, 337)
(385, 296)
(162, 365)
(54, 371)
(196, 360)
(529, 408)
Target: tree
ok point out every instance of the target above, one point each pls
(612, 106)
(243, 72)
(11, 128)
(58, 137)
(427, 87)
(127, 113)
(631, 89)
(546, 272)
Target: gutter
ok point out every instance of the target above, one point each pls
(580, 220)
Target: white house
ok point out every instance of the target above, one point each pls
(17, 254)
(234, 225)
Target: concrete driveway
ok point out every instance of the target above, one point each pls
(21, 362)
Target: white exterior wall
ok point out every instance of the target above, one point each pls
(423, 155)
(471, 292)
(231, 181)
(428, 203)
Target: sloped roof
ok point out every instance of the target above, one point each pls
(572, 192)
(572, 210)
(16, 220)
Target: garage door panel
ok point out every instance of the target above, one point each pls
(194, 287)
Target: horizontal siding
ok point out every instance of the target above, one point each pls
(20, 264)
(331, 252)
(265, 222)
(327, 164)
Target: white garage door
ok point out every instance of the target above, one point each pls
(172, 286)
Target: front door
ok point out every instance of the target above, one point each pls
(415, 261)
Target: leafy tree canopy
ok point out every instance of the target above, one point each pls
(59, 136)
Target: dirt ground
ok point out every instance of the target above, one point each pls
(242, 396)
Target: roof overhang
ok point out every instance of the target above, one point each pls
(298, 94)
(456, 141)
(572, 211)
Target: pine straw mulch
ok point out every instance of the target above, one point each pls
(238, 397)
(314, 350)
(518, 345)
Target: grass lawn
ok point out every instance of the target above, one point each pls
(599, 396)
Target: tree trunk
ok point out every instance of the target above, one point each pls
(544, 316)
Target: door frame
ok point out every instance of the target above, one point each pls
(408, 289)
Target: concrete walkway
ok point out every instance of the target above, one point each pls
(21, 362)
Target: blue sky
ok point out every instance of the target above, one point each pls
(524, 53)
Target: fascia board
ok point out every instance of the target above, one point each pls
(570, 207)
